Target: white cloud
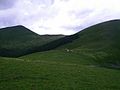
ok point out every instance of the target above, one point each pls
(59, 16)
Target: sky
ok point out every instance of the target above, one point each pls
(57, 16)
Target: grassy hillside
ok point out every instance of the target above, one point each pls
(18, 40)
(102, 41)
(101, 36)
(56, 70)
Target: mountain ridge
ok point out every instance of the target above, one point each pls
(103, 31)
(18, 40)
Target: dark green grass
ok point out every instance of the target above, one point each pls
(56, 70)
(18, 40)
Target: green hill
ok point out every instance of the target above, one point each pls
(18, 40)
(102, 41)
(100, 36)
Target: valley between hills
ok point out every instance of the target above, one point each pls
(87, 60)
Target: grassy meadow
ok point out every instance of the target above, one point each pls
(56, 70)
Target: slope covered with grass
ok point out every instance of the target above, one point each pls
(18, 40)
(102, 41)
(56, 70)
(101, 36)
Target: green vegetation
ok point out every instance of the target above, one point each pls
(46, 71)
(88, 60)
(103, 36)
(101, 41)
(18, 40)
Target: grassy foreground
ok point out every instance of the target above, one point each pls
(56, 70)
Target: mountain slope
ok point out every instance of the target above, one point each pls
(101, 41)
(18, 40)
(100, 36)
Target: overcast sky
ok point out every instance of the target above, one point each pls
(57, 16)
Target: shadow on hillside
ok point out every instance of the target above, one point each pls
(49, 46)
